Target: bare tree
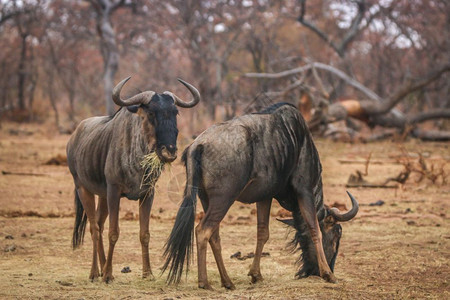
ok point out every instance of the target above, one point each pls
(25, 19)
(108, 45)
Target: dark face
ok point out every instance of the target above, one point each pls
(331, 235)
(162, 113)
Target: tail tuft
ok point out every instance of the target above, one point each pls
(80, 223)
(179, 246)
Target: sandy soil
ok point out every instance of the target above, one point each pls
(395, 251)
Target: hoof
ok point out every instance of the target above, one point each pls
(256, 277)
(108, 278)
(329, 277)
(229, 286)
(148, 276)
(93, 276)
(206, 286)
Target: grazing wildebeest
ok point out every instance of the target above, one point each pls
(105, 158)
(255, 158)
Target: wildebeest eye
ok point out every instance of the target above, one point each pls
(150, 114)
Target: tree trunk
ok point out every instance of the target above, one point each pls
(4, 82)
(110, 54)
(51, 96)
(21, 74)
(33, 83)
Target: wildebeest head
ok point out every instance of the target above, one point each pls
(331, 236)
(158, 111)
(332, 230)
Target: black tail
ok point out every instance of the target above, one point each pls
(178, 248)
(80, 223)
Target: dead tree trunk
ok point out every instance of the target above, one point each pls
(108, 45)
(21, 72)
(52, 96)
(374, 111)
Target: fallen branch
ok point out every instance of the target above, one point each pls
(22, 173)
(363, 162)
(371, 185)
(368, 92)
(431, 135)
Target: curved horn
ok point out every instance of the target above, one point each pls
(194, 92)
(141, 98)
(338, 216)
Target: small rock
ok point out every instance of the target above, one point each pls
(126, 270)
(411, 222)
(64, 283)
(236, 255)
(377, 203)
(408, 210)
(10, 248)
(9, 237)
(24, 235)
(30, 274)
(129, 216)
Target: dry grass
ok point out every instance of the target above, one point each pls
(396, 251)
(153, 167)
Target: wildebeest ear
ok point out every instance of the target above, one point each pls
(289, 222)
(133, 108)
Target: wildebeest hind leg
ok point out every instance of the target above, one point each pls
(214, 214)
(263, 214)
(145, 207)
(214, 242)
(102, 214)
(308, 211)
(113, 200)
(88, 201)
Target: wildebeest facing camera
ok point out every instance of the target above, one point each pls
(118, 156)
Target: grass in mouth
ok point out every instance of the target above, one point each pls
(153, 167)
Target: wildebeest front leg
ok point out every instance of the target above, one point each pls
(113, 197)
(308, 211)
(145, 207)
(102, 214)
(263, 214)
(214, 242)
(88, 201)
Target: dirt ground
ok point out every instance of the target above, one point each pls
(398, 250)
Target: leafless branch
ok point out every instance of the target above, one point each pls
(369, 93)
(405, 89)
(429, 115)
(349, 36)
(354, 27)
(292, 86)
(316, 30)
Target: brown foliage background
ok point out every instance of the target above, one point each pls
(54, 54)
